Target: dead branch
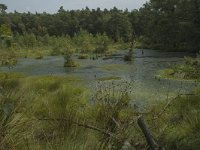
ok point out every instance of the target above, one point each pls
(168, 104)
(82, 125)
(163, 110)
(148, 136)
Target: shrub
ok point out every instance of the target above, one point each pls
(16, 126)
(25, 105)
(113, 113)
(127, 58)
(71, 63)
(179, 125)
(189, 70)
(83, 56)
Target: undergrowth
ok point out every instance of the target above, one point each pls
(49, 112)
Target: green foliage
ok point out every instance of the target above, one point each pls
(52, 112)
(71, 63)
(26, 102)
(189, 70)
(128, 57)
(158, 24)
(8, 59)
(166, 73)
(83, 56)
(84, 41)
(5, 35)
(32, 30)
(5, 31)
(56, 51)
(170, 25)
(29, 40)
(3, 8)
(183, 123)
(55, 112)
(15, 124)
(102, 43)
(119, 26)
(112, 112)
(46, 111)
(31, 46)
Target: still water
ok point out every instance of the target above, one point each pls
(140, 72)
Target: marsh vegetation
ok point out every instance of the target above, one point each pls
(81, 79)
(189, 70)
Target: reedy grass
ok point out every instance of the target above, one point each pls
(43, 113)
(188, 71)
(39, 98)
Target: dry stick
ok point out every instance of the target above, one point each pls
(83, 125)
(148, 136)
(115, 121)
(168, 104)
(163, 110)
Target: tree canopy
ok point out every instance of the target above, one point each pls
(166, 24)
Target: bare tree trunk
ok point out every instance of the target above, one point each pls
(147, 133)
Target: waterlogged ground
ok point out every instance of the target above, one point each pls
(140, 72)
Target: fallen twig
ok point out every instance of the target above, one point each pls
(82, 125)
(148, 136)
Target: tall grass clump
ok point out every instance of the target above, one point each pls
(38, 112)
(49, 112)
(185, 120)
(177, 125)
(15, 125)
(56, 105)
(190, 70)
(112, 112)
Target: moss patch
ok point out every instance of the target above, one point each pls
(176, 75)
(166, 73)
(188, 71)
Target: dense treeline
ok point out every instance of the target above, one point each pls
(166, 24)
(172, 24)
(114, 22)
(87, 31)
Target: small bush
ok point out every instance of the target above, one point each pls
(39, 57)
(83, 56)
(71, 63)
(128, 58)
(190, 70)
(183, 121)
(56, 51)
